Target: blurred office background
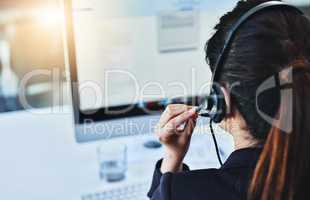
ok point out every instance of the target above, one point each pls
(31, 49)
(31, 40)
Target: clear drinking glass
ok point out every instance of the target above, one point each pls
(112, 162)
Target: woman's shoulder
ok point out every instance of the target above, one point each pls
(228, 182)
(209, 183)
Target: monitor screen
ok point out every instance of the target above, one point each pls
(134, 52)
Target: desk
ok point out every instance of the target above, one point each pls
(40, 158)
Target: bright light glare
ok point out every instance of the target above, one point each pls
(50, 17)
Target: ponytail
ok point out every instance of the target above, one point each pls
(283, 169)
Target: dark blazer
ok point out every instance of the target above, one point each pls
(229, 182)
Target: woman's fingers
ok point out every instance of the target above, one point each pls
(171, 128)
(190, 126)
(172, 111)
(172, 121)
(181, 119)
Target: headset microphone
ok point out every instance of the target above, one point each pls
(214, 105)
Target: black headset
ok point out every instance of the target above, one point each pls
(214, 105)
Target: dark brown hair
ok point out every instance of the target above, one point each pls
(270, 42)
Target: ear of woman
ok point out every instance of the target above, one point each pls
(227, 97)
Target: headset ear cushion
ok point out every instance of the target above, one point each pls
(217, 105)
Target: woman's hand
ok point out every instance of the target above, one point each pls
(173, 136)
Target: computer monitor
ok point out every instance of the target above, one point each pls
(132, 58)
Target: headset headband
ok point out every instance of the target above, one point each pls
(237, 25)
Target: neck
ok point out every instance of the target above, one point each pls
(244, 139)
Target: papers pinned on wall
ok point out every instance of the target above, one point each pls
(178, 31)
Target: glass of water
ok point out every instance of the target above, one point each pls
(112, 161)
